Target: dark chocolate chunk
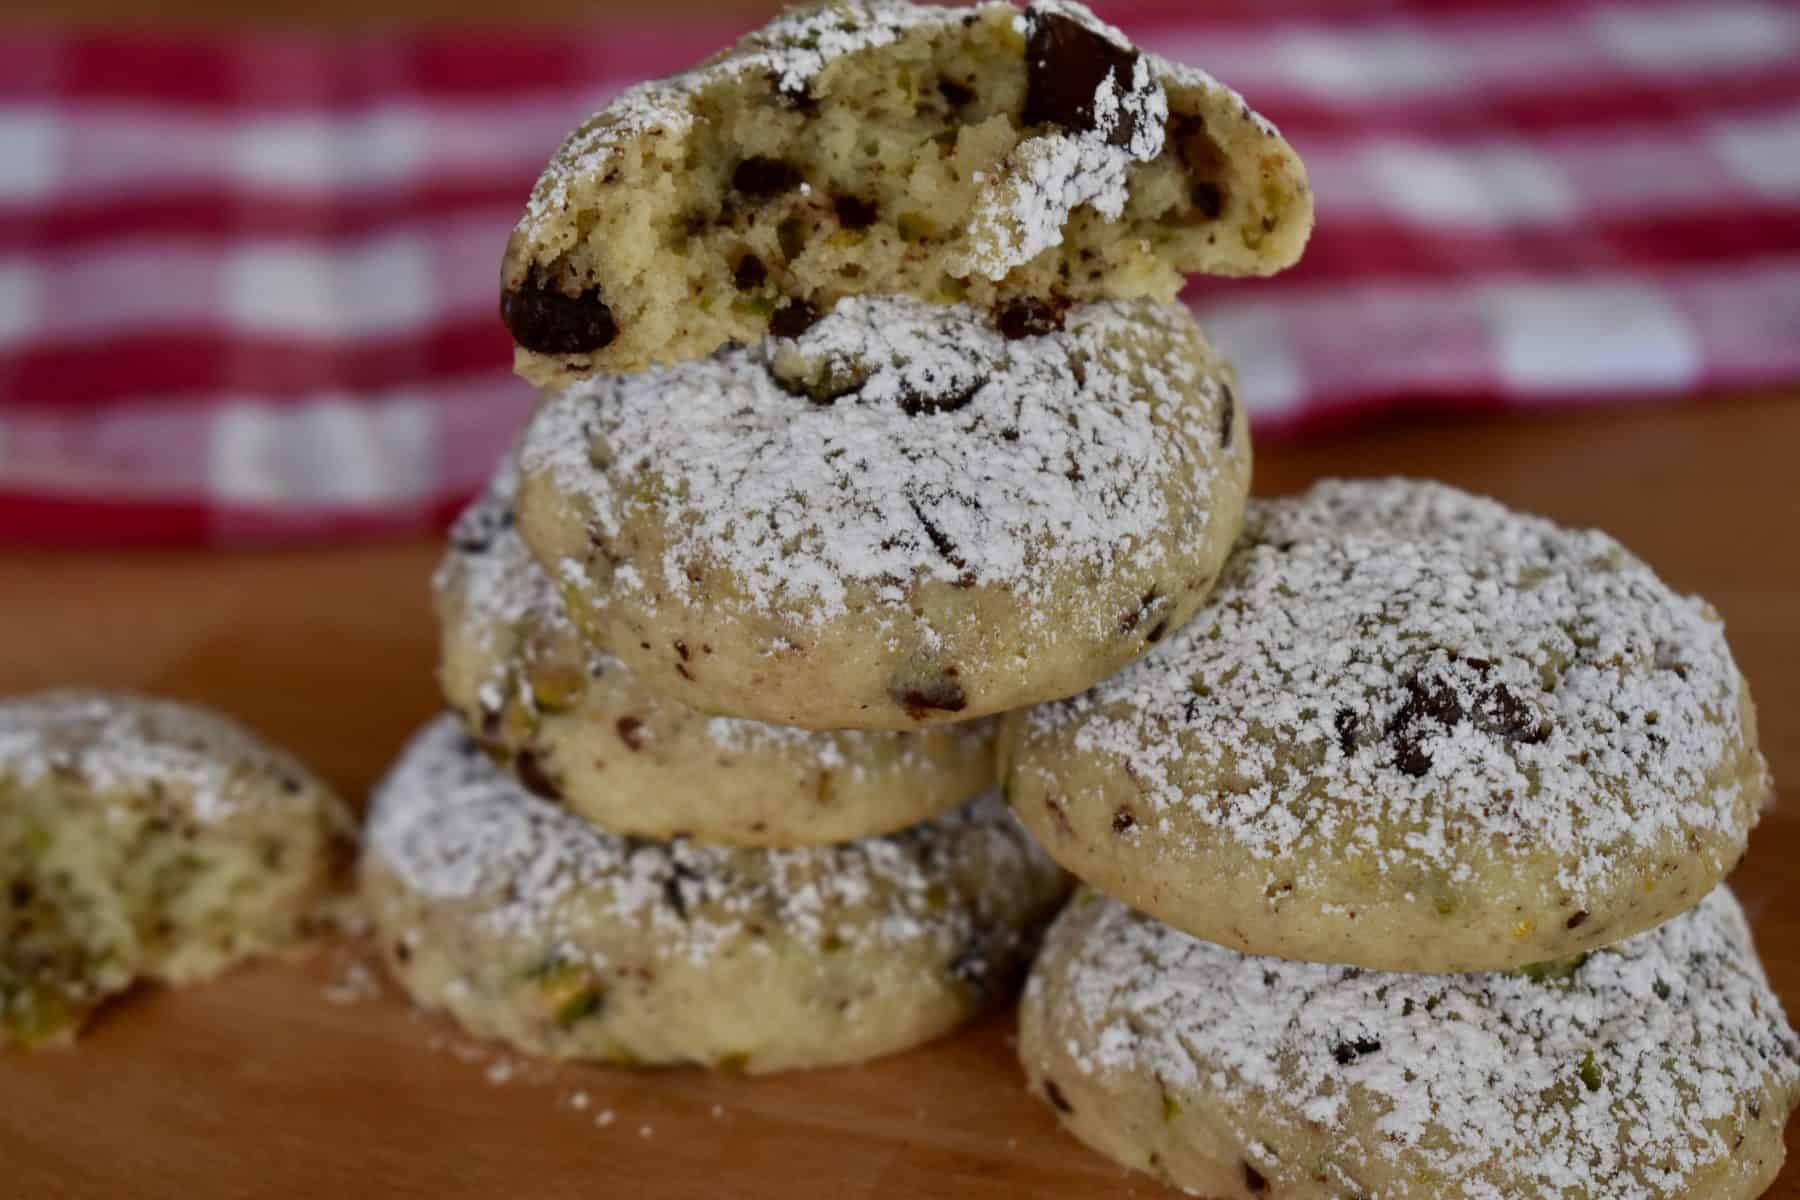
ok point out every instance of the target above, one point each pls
(1253, 1179)
(1348, 1052)
(548, 320)
(1123, 821)
(1347, 725)
(631, 732)
(1030, 317)
(918, 404)
(1065, 64)
(1499, 712)
(762, 177)
(940, 541)
(749, 273)
(1208, 198)
(672, 891)
(1056, 1097)
(942, 695)
(793, 318)
(854, 212)
(1227, 416)
(530, 770)
(955, 94)
(1576, 919)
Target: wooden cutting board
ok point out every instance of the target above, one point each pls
(310, 1080)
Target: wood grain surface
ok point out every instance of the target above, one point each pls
(288, 1081)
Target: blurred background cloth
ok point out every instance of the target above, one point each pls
(249, 284)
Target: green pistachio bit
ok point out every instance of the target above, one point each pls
(1590, 1072)
(1445, 905)
(1171, 1109)
(580, 1006)
(1553, 971)
(733, 1064)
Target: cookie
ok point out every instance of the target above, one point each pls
(1016, 161)
(575, 726)
(1413, 730)
(1658, 1069)
(529, 925)
(145, 839)
(901, 517)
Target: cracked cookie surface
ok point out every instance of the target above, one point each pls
(1411, 730)
(903, 516)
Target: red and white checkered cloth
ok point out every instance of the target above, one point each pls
(248, 285)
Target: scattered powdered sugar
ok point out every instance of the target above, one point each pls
(1395, 656)
(894, 442)
(1049, 175)
(113, 741)
(505, 598)
(1483, 1086)
(452, 827)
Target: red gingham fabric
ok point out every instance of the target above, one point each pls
(248, 285)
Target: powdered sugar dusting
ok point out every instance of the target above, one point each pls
(451, 826)
(1049, 175)
(505, 598)
(1483, 1086)
(119, 742)
(1429, 678)
(894, 442)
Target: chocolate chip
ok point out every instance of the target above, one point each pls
(631, 732)
(1347, 724)
(1065, 64)
(21, 893)
(1576, 920)
(1145, 607)
(1227, 416)
(749, 273)
(854, 212)
(919, 404)
(402, 952)
(793, 318)
(529, 769)
(1208, 199)
(1056, 1097)
(1157, 632)
(1498, 711)
(1432, 701)
(955, 94)
(762, 177)
(681, 648)
(943, 695)
(1348, 1052)
(547, 320)
(1123, 821)
(672, 892)
(1030, 317)
(1253, 1179)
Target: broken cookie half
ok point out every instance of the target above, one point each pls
(1017, 160)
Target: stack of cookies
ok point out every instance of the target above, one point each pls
(1435, 799)
(869, 415)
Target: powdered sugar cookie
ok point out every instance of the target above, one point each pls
(1414, 730)
(574, 724)
(901, 517)
(145, 839)
(1661, 1068)
(529, 925)
(1017, 161)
